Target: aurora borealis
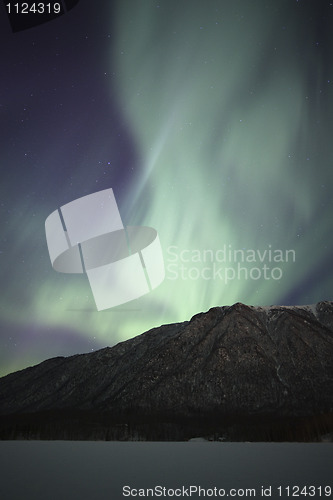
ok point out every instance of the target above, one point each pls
(212, 122)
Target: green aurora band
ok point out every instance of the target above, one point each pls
(231, 140)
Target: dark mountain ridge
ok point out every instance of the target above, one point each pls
(233, 367)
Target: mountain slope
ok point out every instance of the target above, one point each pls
(238, 361)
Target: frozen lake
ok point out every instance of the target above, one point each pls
(99, 470)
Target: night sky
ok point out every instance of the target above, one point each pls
(211, 120)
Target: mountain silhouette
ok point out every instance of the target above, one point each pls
(233, 373)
